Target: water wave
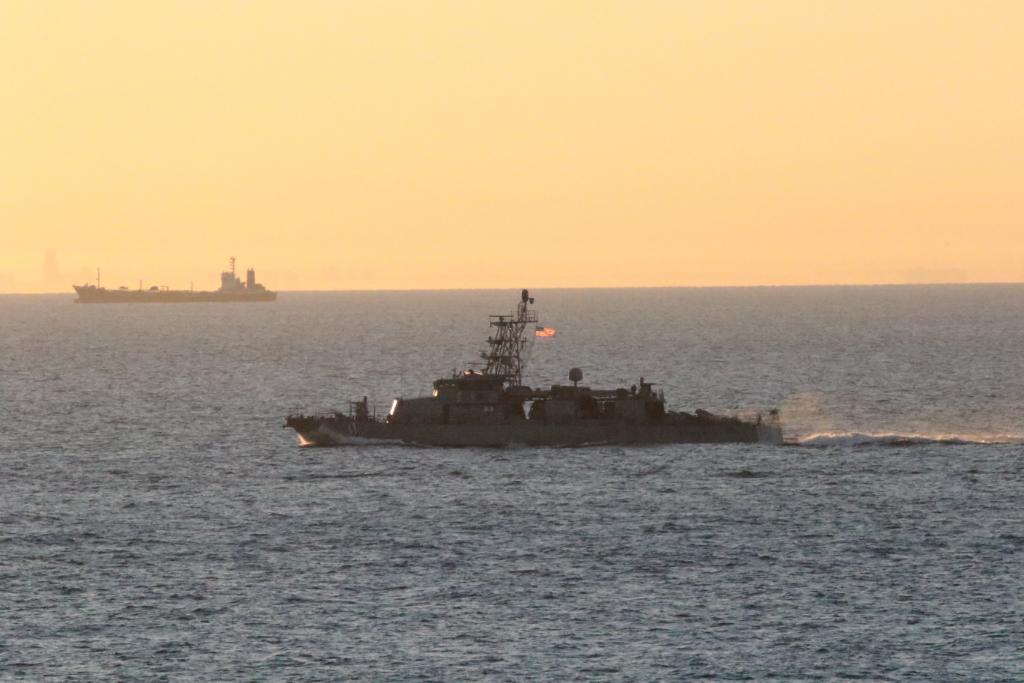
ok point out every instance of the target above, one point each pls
(868, 439)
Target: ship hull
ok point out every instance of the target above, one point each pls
(171, 297)
(328, 431)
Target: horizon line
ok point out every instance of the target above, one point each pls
(605, 287)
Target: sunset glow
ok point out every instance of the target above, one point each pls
(369, 145)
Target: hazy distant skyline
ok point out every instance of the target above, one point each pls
(55, 279)
(343, 145)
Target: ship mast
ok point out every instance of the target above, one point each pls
(504, 354)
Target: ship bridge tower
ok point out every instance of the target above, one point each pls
(508, 340)
(228, 280)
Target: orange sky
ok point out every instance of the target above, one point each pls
(432, 144)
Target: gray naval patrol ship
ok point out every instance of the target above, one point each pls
(492, 407)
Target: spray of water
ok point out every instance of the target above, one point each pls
(861, 439)
(808, 420)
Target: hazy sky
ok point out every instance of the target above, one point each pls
(425, 144)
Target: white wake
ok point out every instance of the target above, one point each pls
(859, 439)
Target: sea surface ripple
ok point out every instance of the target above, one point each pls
(157, 523)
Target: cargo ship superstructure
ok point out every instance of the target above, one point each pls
(492, 407)
(232, 289)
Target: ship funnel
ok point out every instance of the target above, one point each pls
(250, 278)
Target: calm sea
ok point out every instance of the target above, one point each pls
(156, 522)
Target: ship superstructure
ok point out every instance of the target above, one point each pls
(232, 289)
(493, 407)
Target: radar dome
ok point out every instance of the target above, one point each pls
(575, 375)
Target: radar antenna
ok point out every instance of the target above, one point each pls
(504, 354)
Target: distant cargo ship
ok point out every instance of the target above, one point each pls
(231, 289)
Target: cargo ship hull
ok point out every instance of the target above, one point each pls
(168, 297)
